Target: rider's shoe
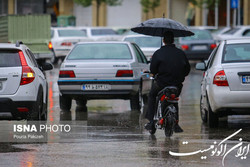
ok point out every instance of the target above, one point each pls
(149, 126)
(178, 129)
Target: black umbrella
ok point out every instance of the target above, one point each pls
(158, 26)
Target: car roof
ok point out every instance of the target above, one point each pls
(63, 28)
(103, 42)
(94, 27)
(139, 35)
(10, 46)
(238, 40)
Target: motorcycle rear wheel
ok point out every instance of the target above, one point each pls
(169, 125)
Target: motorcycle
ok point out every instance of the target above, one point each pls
(166, 114)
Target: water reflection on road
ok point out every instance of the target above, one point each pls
(108, 133)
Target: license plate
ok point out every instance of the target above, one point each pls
(245, 79)
(1, 85)
(199, 47)
(96, 87)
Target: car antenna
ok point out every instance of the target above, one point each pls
(18, 43)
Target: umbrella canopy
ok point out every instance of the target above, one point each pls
(158, 26)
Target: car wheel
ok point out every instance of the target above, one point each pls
(213, 119)
(35, 113)
(136, 101)
(65, 102)
(45, 111)
(54, 59)
(203, 110)
(81, 102)
(145, 99)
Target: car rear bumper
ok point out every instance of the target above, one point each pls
(61, 52)
(119, 89)
(9, 106)
(221, 98)
(47, 55)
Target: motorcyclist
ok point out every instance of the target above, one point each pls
(171, 66)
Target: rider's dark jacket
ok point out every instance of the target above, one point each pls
(171, 66)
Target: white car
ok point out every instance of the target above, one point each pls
(101, 33)
(63, 39)
(225, 87)
(104, 70)
(235, 33)
(23, 86)
(148, 44)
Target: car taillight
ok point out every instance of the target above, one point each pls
(50, 45)
(220, 79)
(184, 47)
(67, 74)
(28, 75)
(124, 73)
(212, 46)
(66, 44)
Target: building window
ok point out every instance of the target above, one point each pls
(30, 6)
(3, 6)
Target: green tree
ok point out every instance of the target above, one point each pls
(210, 4)
(149, 5)
(86, 3)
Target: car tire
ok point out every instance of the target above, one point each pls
(65, 102)
(45, 109)
(213, 119)
(203, 110)
(136, 101)
(37, 109)
(54, 59)
(145, 99)
(81, 102)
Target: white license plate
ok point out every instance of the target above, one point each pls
(245, 79)
(1, 85)
(199, 47)
(96, 87)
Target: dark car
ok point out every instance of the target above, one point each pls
(198, 46)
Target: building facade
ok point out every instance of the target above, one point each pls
(130, 12)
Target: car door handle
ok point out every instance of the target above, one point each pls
(3, 79)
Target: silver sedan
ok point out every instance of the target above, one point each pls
(104, 70)
(225, 88)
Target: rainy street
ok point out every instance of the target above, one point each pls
(108, 133)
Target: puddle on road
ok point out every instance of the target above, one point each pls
(6, 148)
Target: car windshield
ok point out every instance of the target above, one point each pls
(103, 32)
(9, 58)
(199, 35)
(100, 51)
(71, 33)
(236, 53)
(149, 42)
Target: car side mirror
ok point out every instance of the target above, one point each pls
(47, 66)
(200, 66)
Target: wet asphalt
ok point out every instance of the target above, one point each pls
(108, 133)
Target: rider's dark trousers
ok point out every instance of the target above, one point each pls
(152, 101)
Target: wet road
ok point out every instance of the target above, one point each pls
(107, 133)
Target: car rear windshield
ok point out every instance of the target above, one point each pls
(103, 32)
(234, 53)
(71, 33)
(199, 35)
(231, 31)
(149, 42)
(100, 51)
(9, 58)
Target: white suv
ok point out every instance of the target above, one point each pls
(23, 86)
